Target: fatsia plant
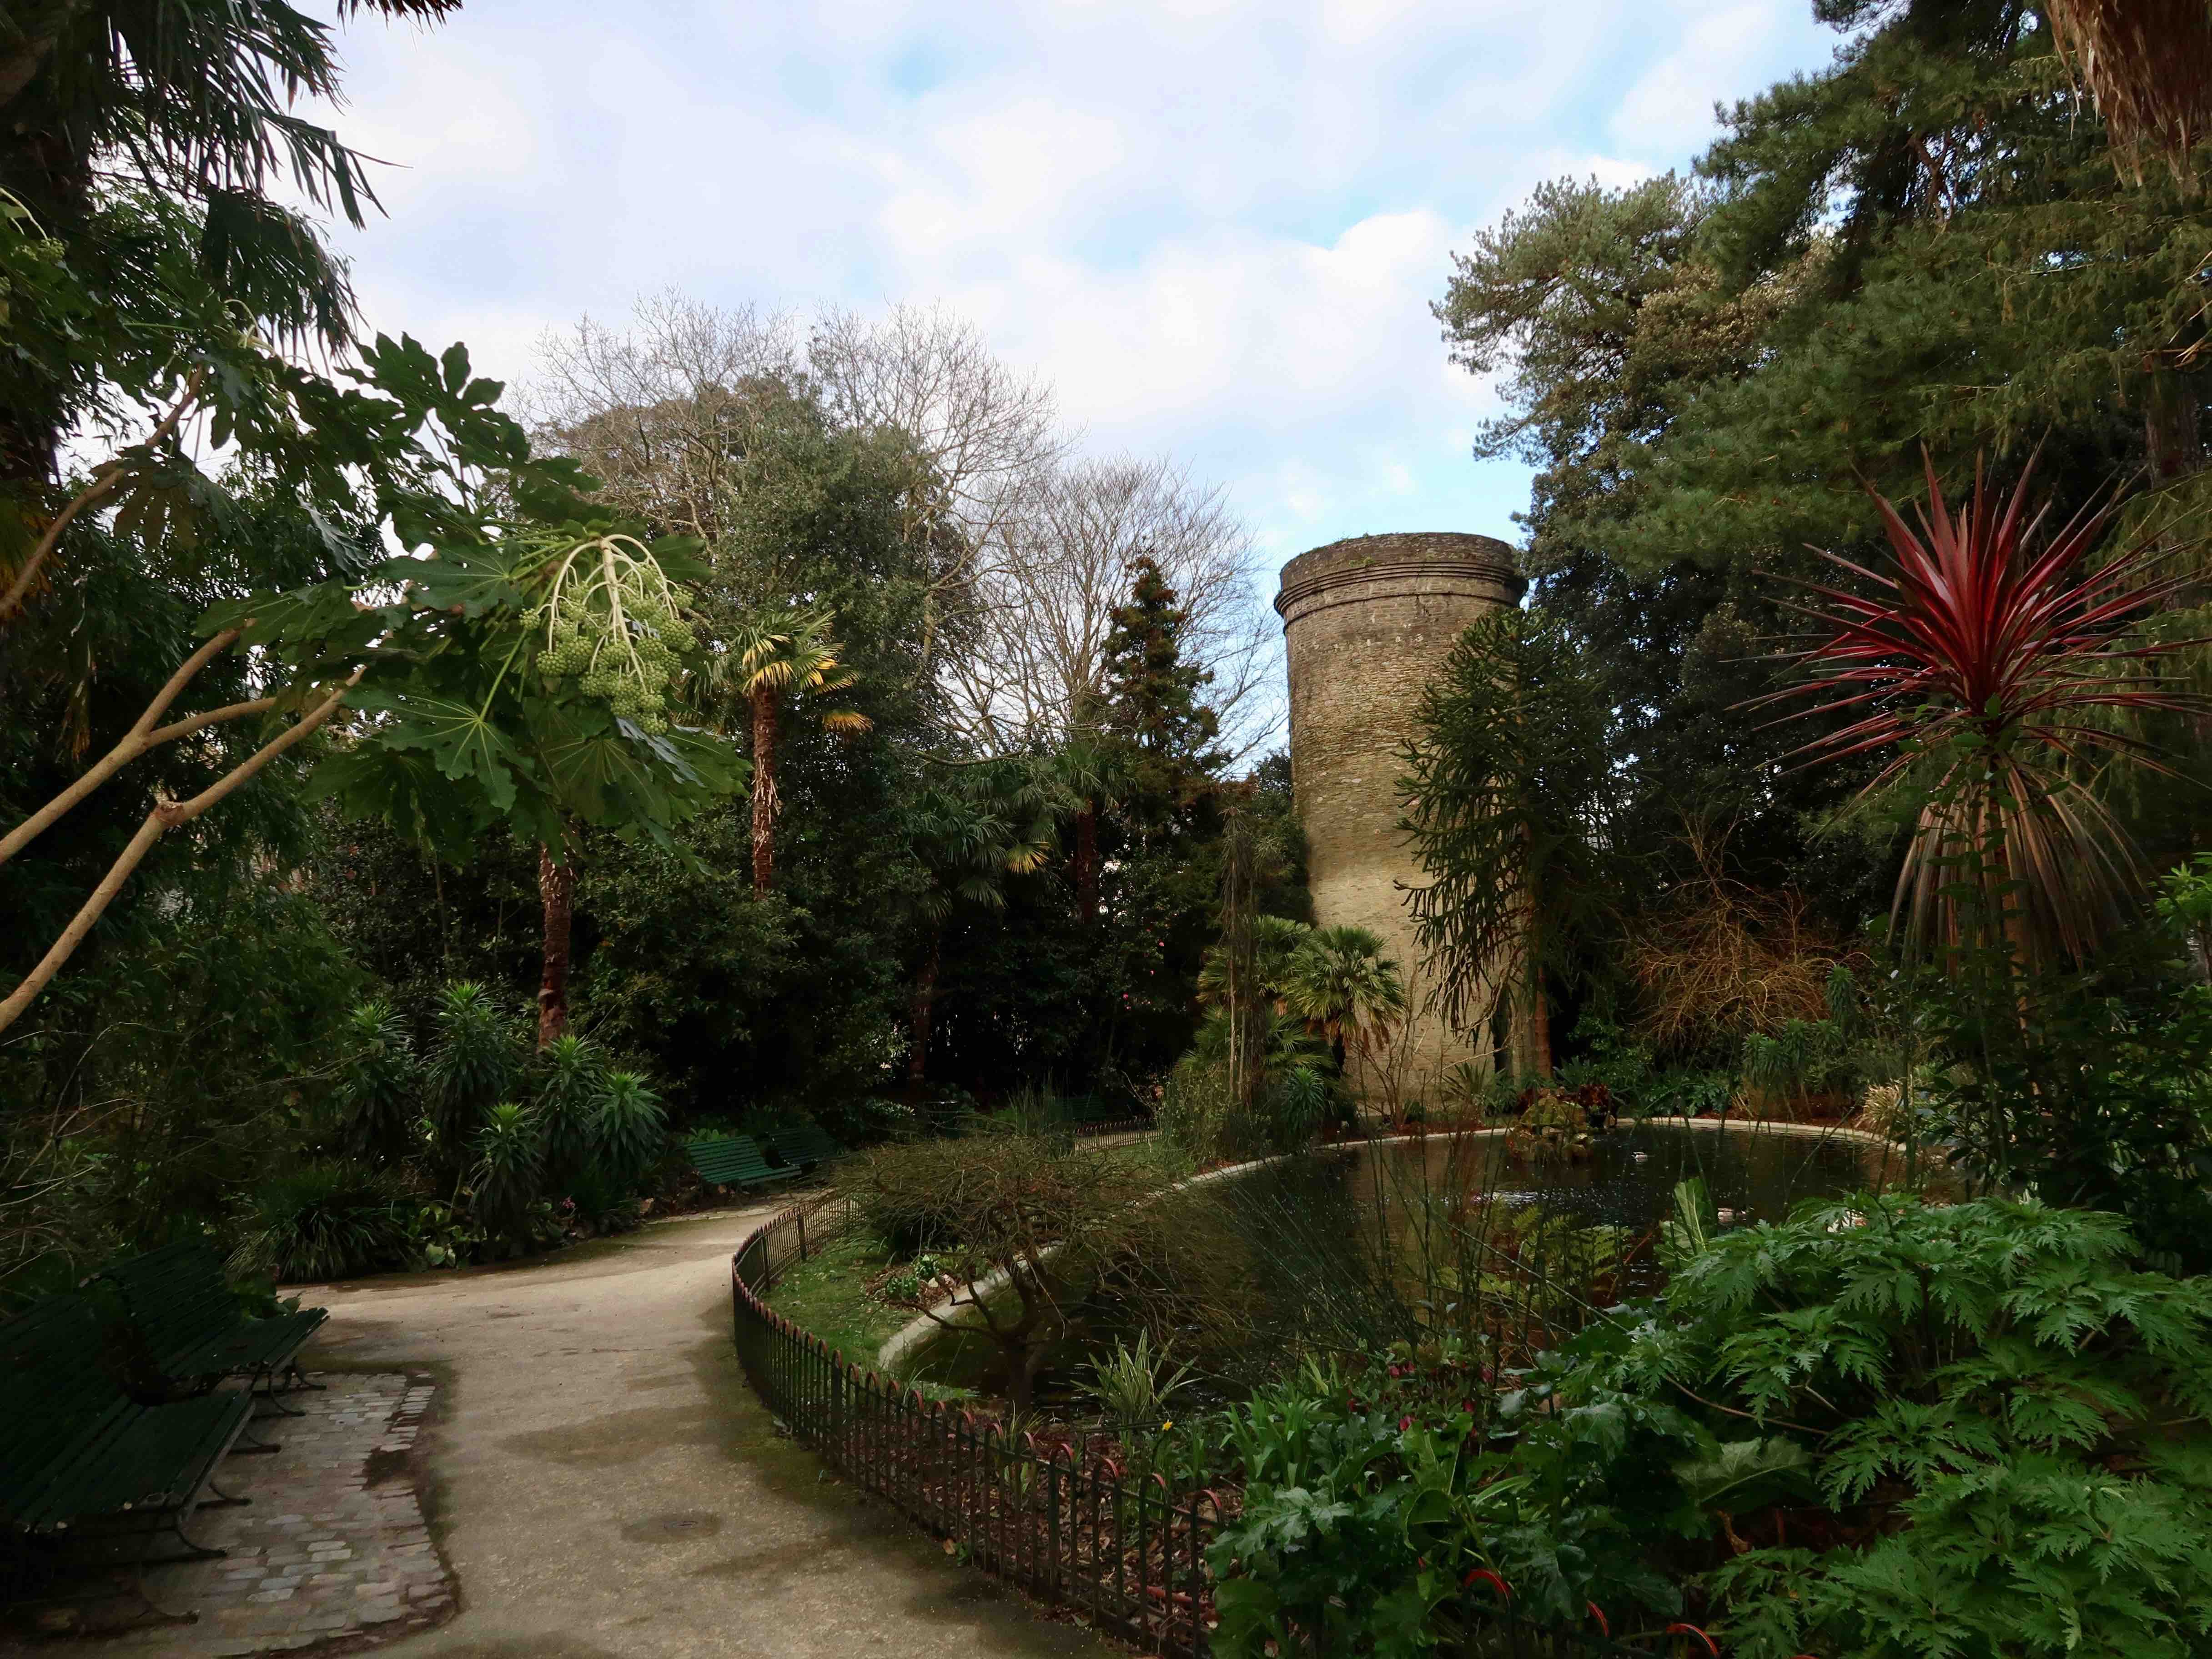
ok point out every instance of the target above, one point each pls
(2000, 675)
(446, 672)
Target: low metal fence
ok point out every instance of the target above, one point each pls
(1119, 1126)
(1129, 1555)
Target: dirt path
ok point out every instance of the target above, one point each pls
(604, 1484)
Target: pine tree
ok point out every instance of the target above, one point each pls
(1153, 701)
(1926, 243)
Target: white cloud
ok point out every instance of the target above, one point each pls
(1217, 225)
(1670, 108)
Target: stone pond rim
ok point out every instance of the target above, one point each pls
(1367, 625)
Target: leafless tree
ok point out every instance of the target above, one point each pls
(1028, 554)
(660, 411)
(981, 434)
(1048, 582)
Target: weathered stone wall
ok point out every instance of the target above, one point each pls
(1367, 624)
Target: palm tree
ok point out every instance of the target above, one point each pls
(767, 657)
(1275, 940)
(985, 823)
(1091, 774)
(1340, 984)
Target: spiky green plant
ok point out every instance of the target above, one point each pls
(505, 1180)
(324, 1221)
(1999, 677)
(1134, 1383)
(572, 1082)
(379, 1089)
(475, 1062)
(630, 1133)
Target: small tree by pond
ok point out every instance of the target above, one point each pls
(1025, 1233)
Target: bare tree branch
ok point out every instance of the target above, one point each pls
(136, 741)
(165, 816)
(110, 474)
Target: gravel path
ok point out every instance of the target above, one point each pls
(602, 1483)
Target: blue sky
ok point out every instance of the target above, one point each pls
(1215, 226)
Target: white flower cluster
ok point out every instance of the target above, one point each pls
(612, 624)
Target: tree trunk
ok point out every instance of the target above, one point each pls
(1540, 1022)
(556, 885)
(2171, 408)
(924, 1003)
(1086, 862)
(764, 797)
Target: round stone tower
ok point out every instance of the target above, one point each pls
(1367, 624)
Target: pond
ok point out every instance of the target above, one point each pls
(1358, 1247)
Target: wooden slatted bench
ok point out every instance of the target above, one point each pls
(196, 1332)
(79, 1458)
(805, 1147)
(734, 1161)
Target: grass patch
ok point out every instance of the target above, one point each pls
(827, 1294)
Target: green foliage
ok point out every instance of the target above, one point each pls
(1210, 1122)
(1154, 703)
(375, 1089)
(1507, 794)
(522, 1145)
(571, 1081)
(1368, 1498)
(504, 1186)
(629, 1132)
(2092, 1088)
(324, 1221)
(474, 1063)
(1047, 1228)
(1133, 1383)
(1880, 1427)
(1990, 1390)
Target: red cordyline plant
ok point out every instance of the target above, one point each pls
(2013, 674)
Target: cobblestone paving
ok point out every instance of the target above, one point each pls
(333, 1545)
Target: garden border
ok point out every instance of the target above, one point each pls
(1127, 1557)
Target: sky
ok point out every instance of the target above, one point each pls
(1215, 226)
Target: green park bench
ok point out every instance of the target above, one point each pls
(734, 1161)
(806, 1147)
(196, 1333)
(78, 1458)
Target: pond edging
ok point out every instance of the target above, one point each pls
(919, 1329)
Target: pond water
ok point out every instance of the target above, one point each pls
(1361, 1246)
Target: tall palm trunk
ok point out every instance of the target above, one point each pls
(1086, 862)
(765, 803)
(1539, 1024)
(557, 886)
(921, 1010)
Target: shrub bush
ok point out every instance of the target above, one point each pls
(1881, 1429)
(325, 1221)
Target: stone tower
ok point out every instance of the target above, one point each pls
(1367, 624)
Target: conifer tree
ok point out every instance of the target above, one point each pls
(1153, 700)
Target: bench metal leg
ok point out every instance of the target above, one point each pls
(268, 1395)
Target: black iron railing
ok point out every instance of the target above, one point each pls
(1128, 1554)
